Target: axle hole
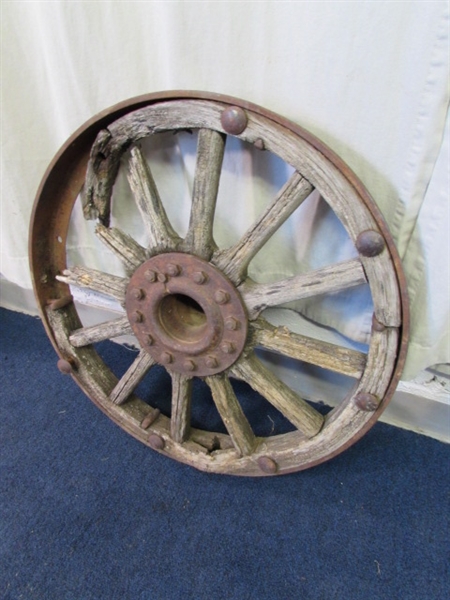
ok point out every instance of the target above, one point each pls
(182, 318)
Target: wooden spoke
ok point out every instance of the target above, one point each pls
(199, 238)
(131, 379)
(123, 245)
(181, 407)
(234, 261)
(232, 415)
(161, 234)
(294, 408)
(335, 278)
(315, 352)
(103, 331)
(95, 280)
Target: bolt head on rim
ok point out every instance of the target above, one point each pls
(191, 312)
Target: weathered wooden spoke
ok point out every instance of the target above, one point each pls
(327, 280)
(96, 281)
(232, 414)
(181, 407)
(235, 260)
(294, 408)
(134, 375)
(192, 307)
(199, 238)
(161, 234)
(103, 331)
(123, 245)
(316, 352)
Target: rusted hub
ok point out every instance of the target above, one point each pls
(186, 314)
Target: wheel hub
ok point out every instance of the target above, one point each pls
(186, 314)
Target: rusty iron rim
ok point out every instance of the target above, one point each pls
(48, 232)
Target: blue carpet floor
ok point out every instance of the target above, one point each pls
(88, 513)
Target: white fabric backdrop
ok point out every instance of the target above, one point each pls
(369, 78)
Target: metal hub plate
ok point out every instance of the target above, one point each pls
(186, 314)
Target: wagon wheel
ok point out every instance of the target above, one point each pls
(193, 307)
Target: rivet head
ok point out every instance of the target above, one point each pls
(221, 297)
(150, 418)
(267, 465)
(166, 358)
(173, 270)
(138, 317)
(232, 324)
(227, 347)
(370, 243)
(189, 365)
(161, 277)
(199, 277)
(376, 325)
(234, 120)
(367, 402)
(150, 341)
(211, 362)
(150, 275)
(156, 442)
(259, 143)
(65, 366)
(138, 294)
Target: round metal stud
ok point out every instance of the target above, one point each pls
(161, 277)
(65, 367)
(156, 442)
(376, 325)
(367, 402)
(370, 243)
(267, 465)
(150, 341)
(234, 120)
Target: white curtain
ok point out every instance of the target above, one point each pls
(370, 79)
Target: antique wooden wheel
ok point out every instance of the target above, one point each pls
(192, 306)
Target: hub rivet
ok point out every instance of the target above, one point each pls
(227, 347)
(211, 362)
(367, 402)
(166, 358)
(370, 243)
(189, 365)
(161, 277)
(150, 275)
(173, 270)
(221, 297)
(199, 277)
(156, 442)
(267, 465)
(138, 294)
(138, 317)
(150, 341)
(234, 120)
(232, 324)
